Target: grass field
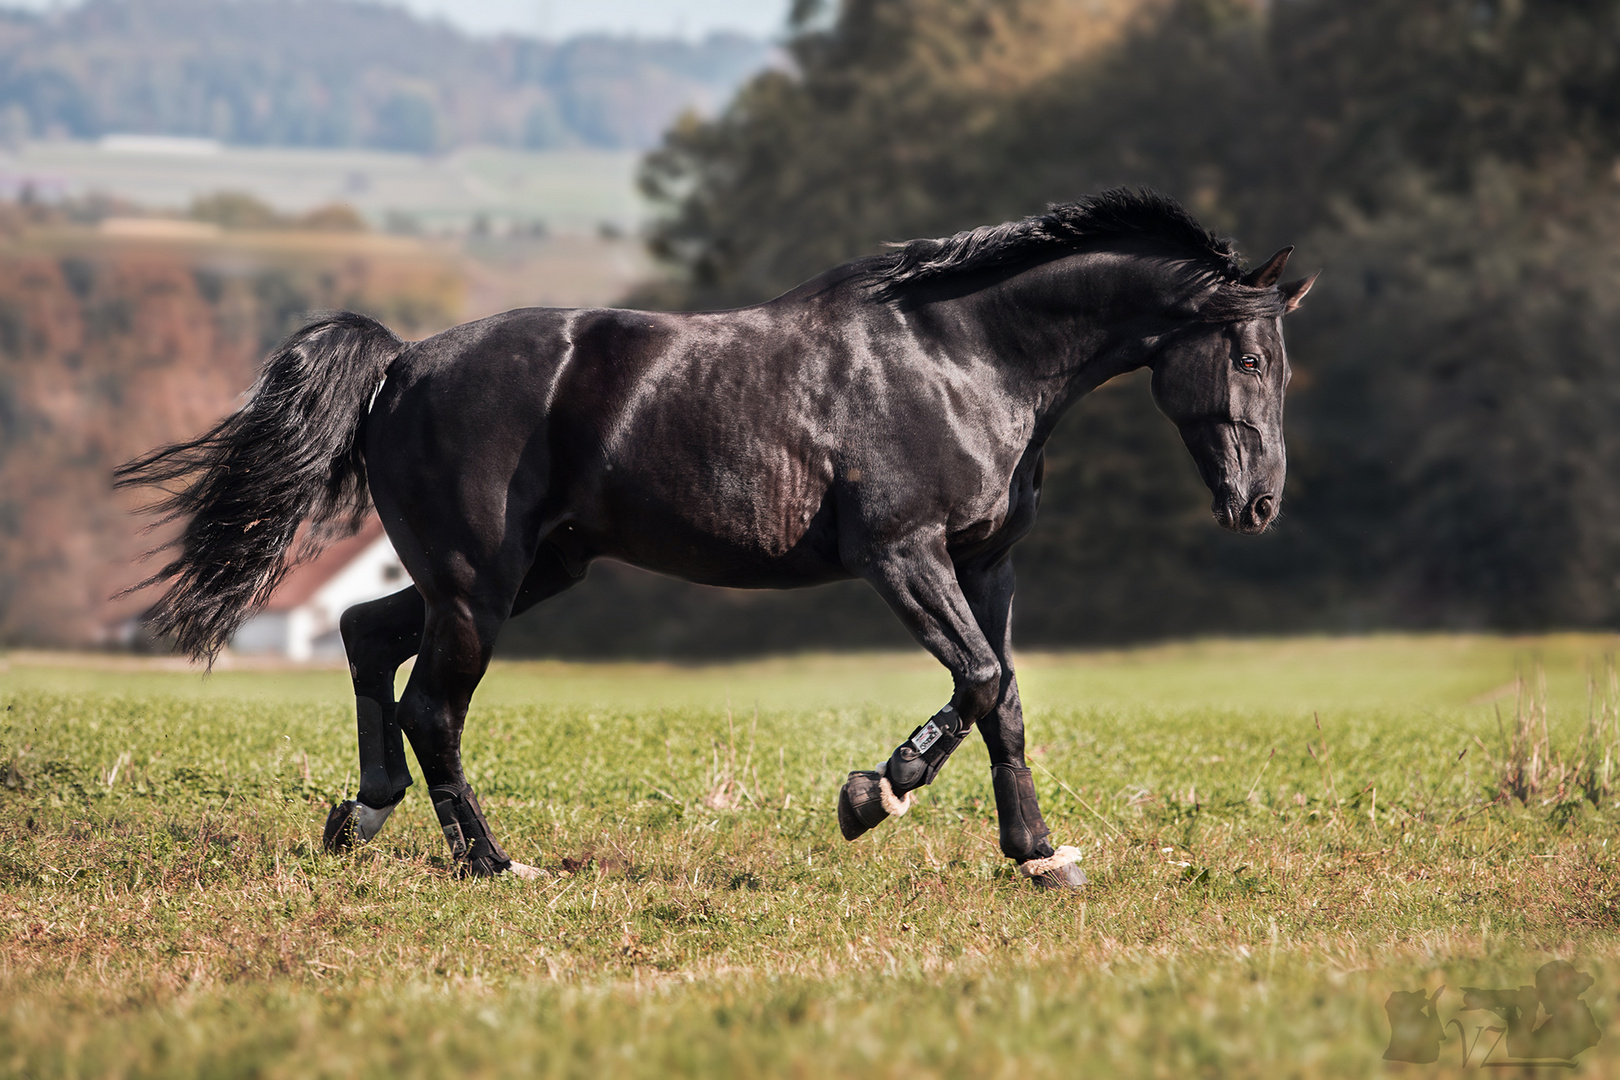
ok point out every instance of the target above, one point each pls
(1279, 835)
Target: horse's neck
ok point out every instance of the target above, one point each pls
(1064, 328)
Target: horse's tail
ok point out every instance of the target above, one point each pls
(290, 454)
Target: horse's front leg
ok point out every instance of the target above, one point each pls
(919, 583)
(989, 592)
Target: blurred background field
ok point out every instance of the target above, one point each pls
(1300, 673)
(1279, 835)
(584, 189)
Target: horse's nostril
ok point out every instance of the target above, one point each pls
(1264, 507)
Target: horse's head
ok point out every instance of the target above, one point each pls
(1221, 379)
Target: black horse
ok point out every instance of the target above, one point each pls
(885, 421)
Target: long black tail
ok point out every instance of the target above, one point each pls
(289, 455)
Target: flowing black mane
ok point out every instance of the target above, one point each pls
(1065, 227)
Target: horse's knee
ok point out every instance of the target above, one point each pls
(976, 697)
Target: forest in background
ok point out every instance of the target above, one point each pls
(1452, 165)
(342, 73)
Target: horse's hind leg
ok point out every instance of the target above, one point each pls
(378, 637)
(457, 641)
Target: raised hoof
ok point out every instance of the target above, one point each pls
(860, 805)
(1064, 877)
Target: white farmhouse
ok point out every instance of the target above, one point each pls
(301, 620)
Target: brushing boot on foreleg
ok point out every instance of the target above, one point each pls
(919, 583)
(868, 797)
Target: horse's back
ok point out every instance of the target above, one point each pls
(714, 446)
(709, 435)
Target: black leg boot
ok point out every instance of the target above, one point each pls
(384, 776)
(869, 797)
(1024, 832)
(473, 847)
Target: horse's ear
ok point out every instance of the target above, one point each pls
(1293, 292)
(1270, 272)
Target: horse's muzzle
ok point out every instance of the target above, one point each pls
(1249, 519)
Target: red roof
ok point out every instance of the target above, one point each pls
(305, 579)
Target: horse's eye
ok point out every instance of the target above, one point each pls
(1249, 362)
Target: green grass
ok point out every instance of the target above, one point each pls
(1259, 886)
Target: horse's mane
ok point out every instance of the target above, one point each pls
(1119, 213)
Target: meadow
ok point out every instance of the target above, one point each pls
(1279, 834)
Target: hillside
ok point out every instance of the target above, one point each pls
(345, 74)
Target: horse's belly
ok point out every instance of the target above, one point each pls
(722, 570)
(730, 535)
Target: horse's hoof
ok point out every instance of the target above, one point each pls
(352, 823)
(1066, 877)
(338, 837)
(1055, 871)
(860, 805)
(467, 869)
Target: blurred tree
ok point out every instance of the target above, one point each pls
(879, 132)
(289, 72)
(240, 210)
(408, 121)
(235, 210)
(333, 217)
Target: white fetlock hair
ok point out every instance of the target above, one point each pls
(893, 805)
(1064, 856)
(525, 872)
